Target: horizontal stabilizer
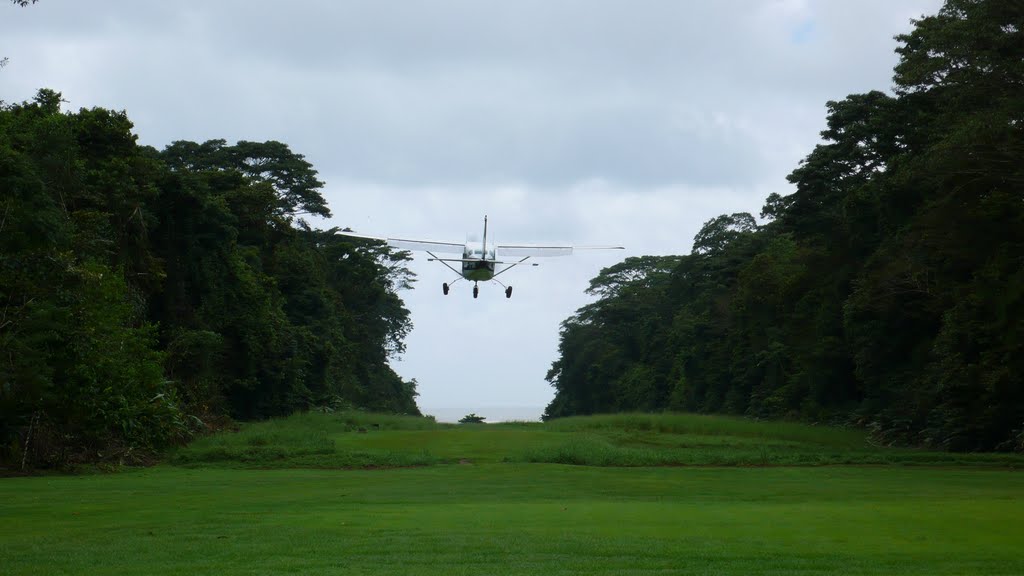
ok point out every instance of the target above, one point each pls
(599, 247)
(545, 251)
(464, 260)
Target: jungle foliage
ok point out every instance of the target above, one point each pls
(145, 293)
(886, 291)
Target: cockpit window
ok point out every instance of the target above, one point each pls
(478, 253)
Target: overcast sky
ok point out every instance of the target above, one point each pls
(584, 122)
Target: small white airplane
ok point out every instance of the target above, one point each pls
(479, 262)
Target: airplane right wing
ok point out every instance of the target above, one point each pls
(529, 250)
(410, 244)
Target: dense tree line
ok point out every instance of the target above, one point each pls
(144, 293)
(886, 291)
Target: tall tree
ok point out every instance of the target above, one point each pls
(886, 291)
(139, 286)
(80, 371)
(302, 316)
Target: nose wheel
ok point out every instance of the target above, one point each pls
(476, 290)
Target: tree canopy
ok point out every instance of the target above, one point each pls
(145, 293)
(887, 290)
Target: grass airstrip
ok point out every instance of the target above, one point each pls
(359, 493)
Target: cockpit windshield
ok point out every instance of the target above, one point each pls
(477, 252)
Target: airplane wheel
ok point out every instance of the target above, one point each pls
(476, 291)
(508, 292)
(445, 288)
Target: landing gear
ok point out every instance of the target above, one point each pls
(476, 290)
(508, 292)
(445, 287)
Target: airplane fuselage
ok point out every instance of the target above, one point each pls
(478, 265)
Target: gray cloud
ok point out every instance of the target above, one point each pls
(469, 92)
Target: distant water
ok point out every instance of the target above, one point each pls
(491, 413)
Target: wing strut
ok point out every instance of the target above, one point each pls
(511, 266)
(442, 261)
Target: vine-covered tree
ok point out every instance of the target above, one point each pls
(80, 370)
(143, 292)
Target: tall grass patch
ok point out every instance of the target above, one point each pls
(701, 440)
(365, 440)
(306, 440)
(707, 425)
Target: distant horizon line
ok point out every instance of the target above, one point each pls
(491, 413)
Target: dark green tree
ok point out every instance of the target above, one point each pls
(81, 373)
(886, 291)
(303, 317)
(145, 292)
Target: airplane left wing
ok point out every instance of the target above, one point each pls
(410, 244)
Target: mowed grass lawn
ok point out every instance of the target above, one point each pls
(508, 515)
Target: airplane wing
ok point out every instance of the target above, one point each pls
(526, 250)
(410, 244)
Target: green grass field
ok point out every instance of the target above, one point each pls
(274, 498)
